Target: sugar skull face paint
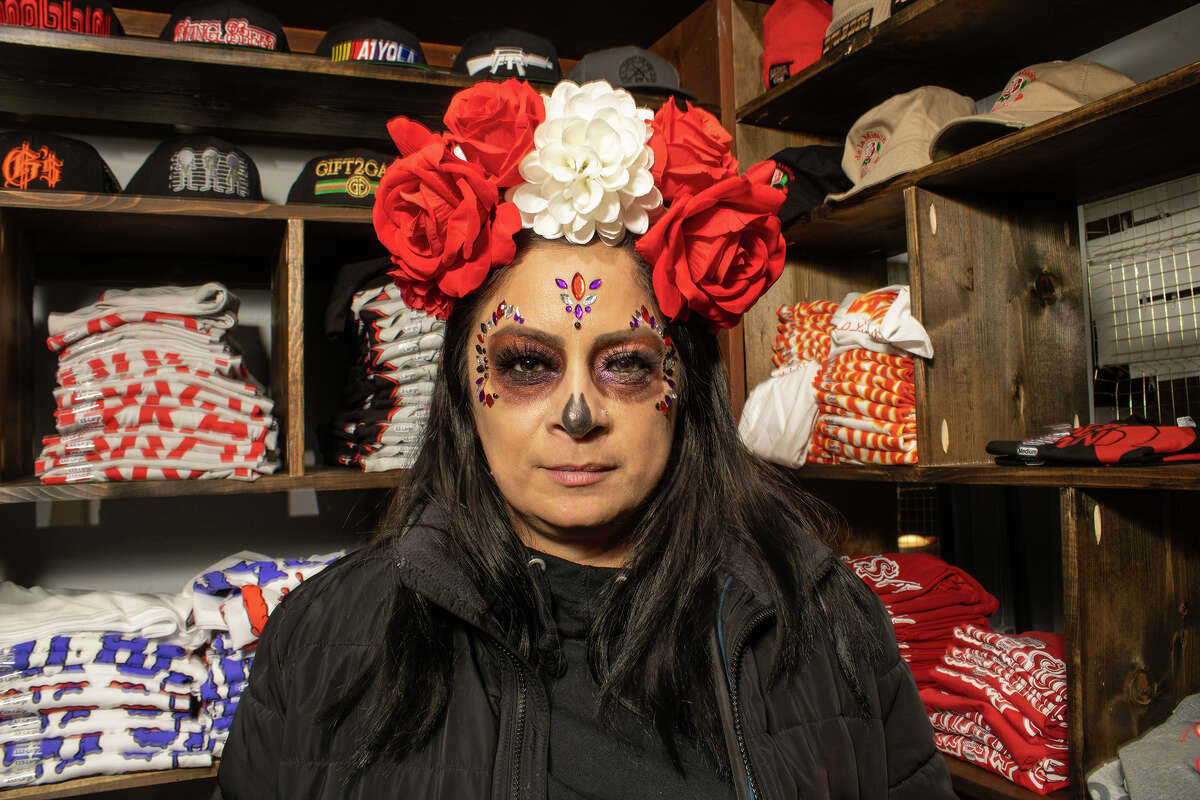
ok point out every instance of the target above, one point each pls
(579, 293)
(643, 317)
(573, 437)
(503, 311)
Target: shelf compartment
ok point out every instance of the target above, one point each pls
(972, 48)
(1097, 150)
(977, 783)
(1175, 477)
(108, 783)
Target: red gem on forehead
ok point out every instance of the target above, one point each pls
(578, 286)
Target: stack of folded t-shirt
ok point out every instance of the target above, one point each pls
(927, 599)
(386, 402)
(96, 683)
(1001, 702)
(803, 333)
(148, 389)
(865, 393)
(231, 601)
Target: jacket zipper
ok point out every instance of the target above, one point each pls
(736, 669)
(519, 734)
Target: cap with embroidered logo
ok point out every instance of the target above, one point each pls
(893, 137)
(1033, 95)
(197, 166)
(34, 161)
(372, 40)
(226, 23)
(93, 17)
(793, 31)
(632, 68)
(347, 178)
(806, 175)
(508, 53)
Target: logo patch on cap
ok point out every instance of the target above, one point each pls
(851, 27)
(513, 59)
(353, 176)
(23, 165)
(781, 177)
(237, 31)
(779, 73)
(1015, 89)
(57, 15)
(374, 50)
(210, 170)
(637, 69)
(868, 151)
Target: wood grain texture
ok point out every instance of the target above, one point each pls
(1132, 593)
(103, 784)
(16, 352)
(1000, 291)
(287, 346)
(975, 783)
(1181, 478)
(692, 46)
(177, 206)
(972, 48)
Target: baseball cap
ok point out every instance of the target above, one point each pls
(893, 137)
(197, 166)
(1033, 95)
(33, 161)
(347, 178)
(229, 23)
(94, 17)
(853, 16)
(793, 31)
(374, 40)
(629, 67)
(508, 53)
(807, 174)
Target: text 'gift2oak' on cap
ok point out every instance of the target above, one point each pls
(508, 53)
(33, 161)
(348, 178)
(373, 40)
(197, 166)
(894, 136)
(1033, 95)
(226, 23)
(632, 68)
(94, 17)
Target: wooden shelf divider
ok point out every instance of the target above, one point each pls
(108, 783)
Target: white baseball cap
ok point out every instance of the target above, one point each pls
(1033, 95)
(893, 137)
(852, 16)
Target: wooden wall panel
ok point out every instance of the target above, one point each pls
(1000, 290)
(1132, 589)
(16, 352)
(693, 47)
(287, 346)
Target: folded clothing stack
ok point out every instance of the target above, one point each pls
(386, 402)
(96, 683)
(1162, 764)
(866, 397)
(148, 389)
(1001, 702)
(231, 601)
(803, 333)
(926, 599)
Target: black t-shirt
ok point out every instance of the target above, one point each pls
(587, 762)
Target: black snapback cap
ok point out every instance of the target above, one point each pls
(226, 23)
(373, 40)
(633, 68)
(508, 53)
(347, 178)
(33, 161)
(197, 166)
(94, 17)
(807, 174)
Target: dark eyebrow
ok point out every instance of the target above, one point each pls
(530, 333)
(619, 337)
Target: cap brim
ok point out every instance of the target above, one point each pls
(964, 133)
(663, 91)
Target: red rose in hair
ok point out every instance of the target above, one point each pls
(716, 252)
(493, 124)
(441, 219)
(691, 151)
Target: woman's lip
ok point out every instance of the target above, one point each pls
(578, 474)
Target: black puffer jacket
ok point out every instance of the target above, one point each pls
(798, 739)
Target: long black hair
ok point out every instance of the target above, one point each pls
(648, 647)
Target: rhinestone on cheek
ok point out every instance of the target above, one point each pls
(643, 315)
(503, 311)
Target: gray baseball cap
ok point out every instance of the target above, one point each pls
(630, 68)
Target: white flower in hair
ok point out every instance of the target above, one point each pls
(589, 171)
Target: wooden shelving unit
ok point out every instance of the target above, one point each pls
(106, 784)
(984, 785)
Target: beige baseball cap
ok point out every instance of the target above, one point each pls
(852, 16)
(1033, 95)
(893, 137)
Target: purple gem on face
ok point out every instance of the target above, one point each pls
(587, 309)
(578, 312)
(560, 283)
(667, 400)
(568, 309)
(593, 285)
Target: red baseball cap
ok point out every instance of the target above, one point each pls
(792, 34)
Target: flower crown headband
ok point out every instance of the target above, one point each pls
(584, 162)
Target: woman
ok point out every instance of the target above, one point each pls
(588, 588)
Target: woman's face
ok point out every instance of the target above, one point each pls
(573, 391)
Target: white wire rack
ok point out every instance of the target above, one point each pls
(1142, 257)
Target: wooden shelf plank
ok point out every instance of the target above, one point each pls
(977, 783)
(1100, 149)
(108, 783)
(330, 479)
(1175, 477)
(178, 206)
(972, 48)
